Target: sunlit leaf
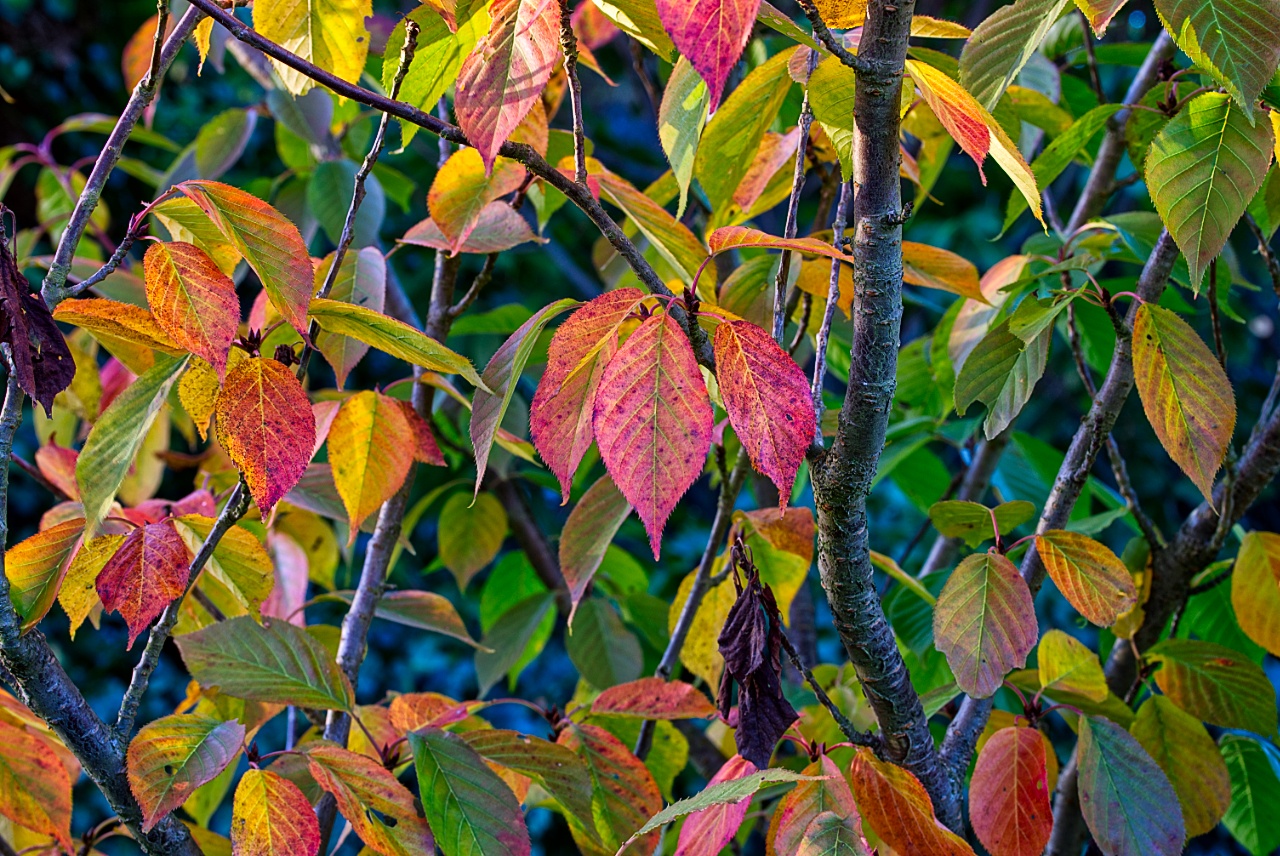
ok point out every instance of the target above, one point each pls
(192, 300)
(36, 567)
(1003, 43)
(369, 454)
(558, 770)
(379, 808)
(681, 118)
(148, 572)
(800, 807)
(272, 817)
(441, 48)
(712, 34)
(1236, 41)
(1089, 575)
(1067, 664)
(35, 788)
(831, 834)
(1255, 589)
(626, 795)
(362, 281)
(326, 33)
(171, 757)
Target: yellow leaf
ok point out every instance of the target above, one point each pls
(701, 653)
(1255, 589)
(78, 595)
(370, 452)
(328, 33)
(1067, 665)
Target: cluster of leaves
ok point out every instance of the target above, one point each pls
(677, 368)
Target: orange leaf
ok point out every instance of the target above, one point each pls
(266, 425)
(35, 788)
(366, 792)
(898, 808)
(768, 401)
(36, 567)
(504, 76)
(653, 421)
(1009, 794)
(1088, 574)
(462, 189)
(984, 622)
(734, 237)
(800, 806)
(560, 416)
(148, 572)
(129, 332)
(371, 448)
(654, 698)
(1255, 589)
(626, 793)
(171, 757)
(269, 242)
(192, 300)
(272, 817)
(933, 267)
(58, 465)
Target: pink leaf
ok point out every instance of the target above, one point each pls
(767, 397)
(653, 421)
(654, 698)
(712, 34)
(706, 832)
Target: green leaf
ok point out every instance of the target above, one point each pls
(1185, 394)
(1059, 154)
(829, 834)
(1127, 801)
(1183, 748)
(1215, 684)
(117, 436)
(171, 757)
(558, 770)
(731, 791)
(1236, 41)
(681, 118)
(329, 195)
(1202, 170)
(1001, 372)
(509, 637)
(971, 521)
(831, 88)
(471, 532)
(392, 337)
(421, 610)
(272, 662)
(1002, 44)
(438, 56)
(600, 646)
(639, 20)
(472, 812)
(733, 135)
(1255, 792)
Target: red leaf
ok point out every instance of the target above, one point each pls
(192, 300)
(587, 534)
(712, 34)
(272, 817)
(767, 397)
(463, 188)
(654, 698)
(58, 465)
(148, 572)
(425, 448)
(560, 417)
(1009, 794)
(706, 832)
(266, 425)
(800, 806)
(653, 421)
(504, 76)
(625, 791)
(35, 788)
(498, 227)
(366, 792)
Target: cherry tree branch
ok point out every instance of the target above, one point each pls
(791, 226)
(823, 339)
(569, 46)
(143, 94)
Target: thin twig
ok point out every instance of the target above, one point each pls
(1273, 266)
(407, 50)
(802, 328)
(87, 201)
(856, 736)
(829, 311)
(477, 285)
(569, 46)
(1091, 60)
(793, 210)
(34, 472)
(1215, 315)
(236, 507)
(824, 35)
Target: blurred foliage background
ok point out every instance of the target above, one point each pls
(59, 58)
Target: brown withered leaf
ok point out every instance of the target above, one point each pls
(41, 359)
(751, 644)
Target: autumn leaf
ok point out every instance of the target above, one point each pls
(171, 757)
(1215, 683)
(984, 622)
(1067, 665)
(934, 267)
(768, 401)
(326, 33)
(147, 573)
(1185, 394)
(712, 34)
(626, 795)
(267, 240)
(830, 834)
(1181, 745)
(192, 300)
(974, 523)
(1127, 802)
(1090, 576)
(498, 228)
(653, 421)
(129, 332)
(78, 593)
(898, 809)
(36, 567)
(462, 189)
(1255, 589)
(35, 788)
(1236, 42)
(369, 452)
(501, 376)
(1003, 44)
(709, 830)
(272, 817)
(799, 808)
(654, 698)
(361, 281)
(561, 413)
(1009, 794)
(40, 357)
(504, 76)
(379, 808)
(265, 423)
(681, 118)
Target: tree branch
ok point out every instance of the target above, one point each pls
(793, 210)
(569, 46)
(143, 94)
(823, 338)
